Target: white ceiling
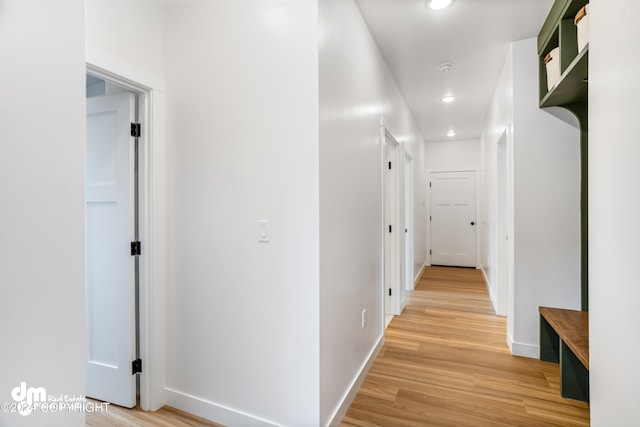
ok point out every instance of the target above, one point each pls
(472, 34)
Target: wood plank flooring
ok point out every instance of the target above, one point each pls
(445, 362)
(116, 416)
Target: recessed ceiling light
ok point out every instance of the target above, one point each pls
(438, 4)
(448, 99)
(451, 133)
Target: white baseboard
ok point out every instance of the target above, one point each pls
(524, 350)
(492, 295)
(348, 397)
(417, 278)
(213, 411)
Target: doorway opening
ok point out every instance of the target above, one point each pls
(116, 162)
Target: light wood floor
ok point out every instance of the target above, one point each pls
(445, 362)
(116, 416)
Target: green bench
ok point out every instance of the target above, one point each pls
(564, 339)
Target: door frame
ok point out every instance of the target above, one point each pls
(151, 189)
(393, 215)
(409, 279)
(505, 228)
(428, 211)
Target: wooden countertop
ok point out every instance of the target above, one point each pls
(573, 328)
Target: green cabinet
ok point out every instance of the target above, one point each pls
(571, 91)
(560, 31)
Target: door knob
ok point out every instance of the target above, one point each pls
(473, 223)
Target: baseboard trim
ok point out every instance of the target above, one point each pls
(492, 294)
(417, 278)
(348, 397)
(213, 411)
(523, 350)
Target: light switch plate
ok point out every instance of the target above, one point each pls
(263, 230)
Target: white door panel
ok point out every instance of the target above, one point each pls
(453, 218)
(110, 266)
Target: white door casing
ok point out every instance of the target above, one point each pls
(394, 268)
(109, 233)
(453, 218)
(408, 222)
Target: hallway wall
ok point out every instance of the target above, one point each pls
(42, 135)
(614, 205)
(356, 90)
(546, 164)
(242, 133)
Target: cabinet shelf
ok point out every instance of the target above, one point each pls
(560, 31)
(573, 84)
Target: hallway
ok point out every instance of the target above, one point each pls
(445, 362)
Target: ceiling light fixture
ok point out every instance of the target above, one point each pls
(438, 4)
(451, 133)
(448, 99)
(445, 67)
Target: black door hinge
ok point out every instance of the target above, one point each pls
(136, 366)
(429, 217)
(389, 229)
(389, 165)
(429, 185)
(389, 291)
(135, 130)
(136, 248)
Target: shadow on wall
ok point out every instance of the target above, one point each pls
(564, 115)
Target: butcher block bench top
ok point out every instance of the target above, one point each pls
(572, 327)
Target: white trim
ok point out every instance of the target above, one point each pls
(417, 278)
(522, 349)
(492, 294)
(214, 411)
(408, 237)
(352, 391)
(152, 277)
(504, 232)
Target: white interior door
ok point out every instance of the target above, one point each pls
(453, 219)
(110, 266)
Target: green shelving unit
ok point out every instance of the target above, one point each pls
(570, 92)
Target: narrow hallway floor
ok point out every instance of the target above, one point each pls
(445, 362)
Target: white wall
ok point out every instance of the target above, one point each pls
(452, 155)
(242, 129)
(356, 89)
(546, 205)
(41, 203)
(614, 204)
(546, 199)
(499, 119)
(127, 37)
